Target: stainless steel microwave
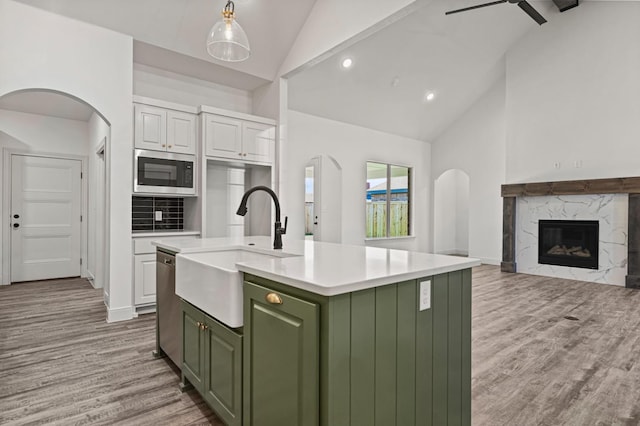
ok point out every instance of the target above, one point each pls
(166, 173)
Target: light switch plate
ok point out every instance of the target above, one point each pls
(425, 295)
(158, 215)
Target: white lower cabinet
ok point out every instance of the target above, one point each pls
(145, 279)
(144, 269)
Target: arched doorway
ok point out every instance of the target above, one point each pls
(58, 135)
(451, 213)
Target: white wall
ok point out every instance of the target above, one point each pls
(572, 95)
(352, 147)
(43, 50)
(160, 84)
(475, 144)
(44, 134)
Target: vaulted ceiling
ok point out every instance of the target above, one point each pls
(457, 57)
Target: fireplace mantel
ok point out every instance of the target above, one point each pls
(626, 185)
(623, 185)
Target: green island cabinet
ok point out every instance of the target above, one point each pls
(212, 362)
(370, 357)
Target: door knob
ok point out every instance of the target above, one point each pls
(16, 225)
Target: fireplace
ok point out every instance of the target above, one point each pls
(568, 243)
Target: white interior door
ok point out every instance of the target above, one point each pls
(45, 218)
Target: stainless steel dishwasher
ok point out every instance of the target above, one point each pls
(168, 313)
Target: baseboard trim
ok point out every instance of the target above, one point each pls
(120, 314)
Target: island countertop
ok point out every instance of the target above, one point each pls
(323, 268)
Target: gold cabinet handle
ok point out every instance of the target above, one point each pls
(274, 299)
(170, 146)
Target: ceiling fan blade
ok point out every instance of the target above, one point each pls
(531, 12)
(475, 7)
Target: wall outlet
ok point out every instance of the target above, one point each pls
(577, 164)
(158, 215)
(425, 295)
(557, 164)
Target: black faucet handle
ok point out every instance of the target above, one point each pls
(284, 230)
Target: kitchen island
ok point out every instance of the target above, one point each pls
(334, 335)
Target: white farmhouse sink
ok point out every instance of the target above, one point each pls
(212, 282)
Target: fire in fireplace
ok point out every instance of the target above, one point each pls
(568, 243)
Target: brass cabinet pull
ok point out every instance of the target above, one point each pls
(274, 299)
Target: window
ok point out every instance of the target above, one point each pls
(388, 200)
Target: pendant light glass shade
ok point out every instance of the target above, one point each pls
(227, 40)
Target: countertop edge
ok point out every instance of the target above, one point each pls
(349, 287)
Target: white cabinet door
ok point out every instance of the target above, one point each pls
(45, 218)
(145, 279)
(258, 142)
(222, 136)
(181, 132)
(150, 127)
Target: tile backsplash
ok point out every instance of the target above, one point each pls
(157, 214)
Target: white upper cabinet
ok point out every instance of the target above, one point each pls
(238, 139)
(258, 142)
(182, 132)
(222, 136)
(162, 129)
(150, 127)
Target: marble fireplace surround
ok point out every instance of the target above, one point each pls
(626, 185)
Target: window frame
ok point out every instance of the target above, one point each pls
(388, 201)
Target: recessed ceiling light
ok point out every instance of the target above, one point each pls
(347, 62)
(429, 96)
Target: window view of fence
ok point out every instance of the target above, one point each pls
(388, 200)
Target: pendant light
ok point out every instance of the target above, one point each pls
(227, 40)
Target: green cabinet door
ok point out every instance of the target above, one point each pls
(192, 346)
(223, 371)
(212, 363)
(281, 359)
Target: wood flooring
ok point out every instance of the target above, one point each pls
(61, 363)
(532, 366)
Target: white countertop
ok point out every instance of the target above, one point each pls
(160, 234)
(325, 268)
